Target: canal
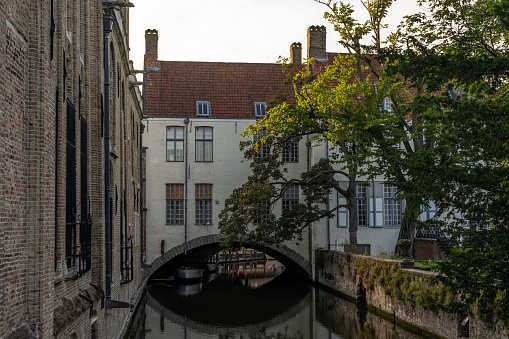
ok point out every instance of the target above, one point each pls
(255, 300)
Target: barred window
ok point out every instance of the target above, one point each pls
(392, 206)
(203, 204)
(174, 204)
(263, 211)
(174, 144)
(291, 152)
(203, 146)
(290, 197)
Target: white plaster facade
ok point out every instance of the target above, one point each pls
(227, 171)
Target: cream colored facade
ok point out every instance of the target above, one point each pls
(227, 171)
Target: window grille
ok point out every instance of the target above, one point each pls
(70, 187)
(290, 197)
(362, 211)
(291, 152)
(174, 204)
(203, 204)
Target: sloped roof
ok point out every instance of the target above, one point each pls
(231, 88)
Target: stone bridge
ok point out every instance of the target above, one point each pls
(206, 246)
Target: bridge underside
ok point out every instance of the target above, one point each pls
(207, 246)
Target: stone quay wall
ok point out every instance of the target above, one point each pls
(402, 294)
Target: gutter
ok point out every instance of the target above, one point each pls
(186, 121)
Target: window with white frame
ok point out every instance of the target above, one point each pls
(174, 204)
(362, 205)
(263, 211)
(392, 206)
(290, 197)
(291, 152)
(260, 109)
(263, 148)
(378, 205)
(203, 204)
(202, 108)
(174, 144)
(203, 144)
(387, 104)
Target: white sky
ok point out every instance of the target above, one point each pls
(235, 30)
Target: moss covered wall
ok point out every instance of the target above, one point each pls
(407, 294)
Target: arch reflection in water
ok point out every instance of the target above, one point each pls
(284, 307)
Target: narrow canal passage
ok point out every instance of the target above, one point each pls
(255, 300)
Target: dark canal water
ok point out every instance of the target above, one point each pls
(255, 301)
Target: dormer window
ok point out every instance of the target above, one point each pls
(202, 109)
(260, 109)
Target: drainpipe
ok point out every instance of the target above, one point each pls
(328, 202)
(186, 121)
(107, 22)
(310, 233)
(142, 129)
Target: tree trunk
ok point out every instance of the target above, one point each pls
(408, 223)
(352, 211)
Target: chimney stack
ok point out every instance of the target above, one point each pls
(317, 42)
(151, 41)
(296, 53)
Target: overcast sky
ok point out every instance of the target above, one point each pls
(234, 30)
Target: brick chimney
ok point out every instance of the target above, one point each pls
(296, 53)
(151, 41)
(316, 42)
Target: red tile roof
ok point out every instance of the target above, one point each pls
(231, 88)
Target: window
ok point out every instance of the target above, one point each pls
(203, 204)
(362, 211)
(264, 149)
(174, 204)
(387, 104)
(260, 109)
(70, 187)
(263, 211)
(175, 144)
(203, 150)
(290, 197)
(392, 206)
(378, 205)
(291, 152)
(202, 108)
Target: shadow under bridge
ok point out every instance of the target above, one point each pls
(207, 246)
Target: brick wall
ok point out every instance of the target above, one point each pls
(40, 295)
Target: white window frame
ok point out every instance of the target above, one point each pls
(290, 197)
(172, 142)
(260, 109)
(175, 204)
(203, 205)
(290, 153)
(202, 108)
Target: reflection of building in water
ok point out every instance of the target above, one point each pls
(251, 273)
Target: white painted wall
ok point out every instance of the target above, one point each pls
(226, 172)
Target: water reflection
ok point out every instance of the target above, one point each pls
(257, 300)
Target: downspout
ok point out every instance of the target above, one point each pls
(142, 129)
(310, 233)
(328, 201)
(186, 121)
(107, 22)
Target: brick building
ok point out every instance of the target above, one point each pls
(59, 276)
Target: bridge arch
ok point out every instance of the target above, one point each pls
(286, 256)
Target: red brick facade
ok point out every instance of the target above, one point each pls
(51, 86)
